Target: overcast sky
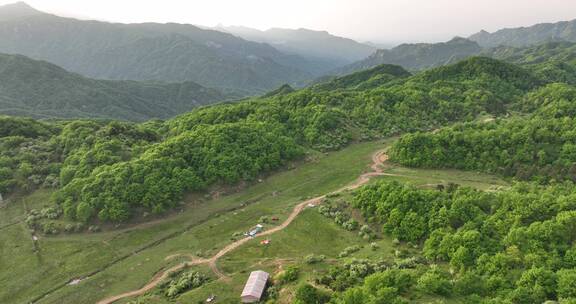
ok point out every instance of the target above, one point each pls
(374, 20)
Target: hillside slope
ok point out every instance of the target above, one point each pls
(366, 79)
(43, 90)
(554, 61)
(418, 56)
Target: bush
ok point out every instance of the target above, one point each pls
(411, 262)
(183, 282)
(349, 250)
(50, 228)
(313, 259)
(287, 276)
(308, 294)
(350, 225)
(365, 232)
(435, 281)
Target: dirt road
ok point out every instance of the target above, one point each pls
(378, 159)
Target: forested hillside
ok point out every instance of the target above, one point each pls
(511, 245)
(539, 147)
(42, 90)
(149, 51)
(99, 168)
(418, 56)
(553, 61)
(514, 246)
(366, 79)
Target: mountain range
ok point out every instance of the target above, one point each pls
(321, 46)
(421, 56)
(417, 56)
(149, 51)
(43, 90)
(525, 36)
(94, 69)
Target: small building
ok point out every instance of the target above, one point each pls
(255, 286)
(255, 230)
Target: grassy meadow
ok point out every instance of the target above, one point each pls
(116, 261)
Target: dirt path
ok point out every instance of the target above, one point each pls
(378, 159)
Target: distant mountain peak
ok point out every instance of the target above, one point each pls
(458, 38)
(21, 6)
(17, 10)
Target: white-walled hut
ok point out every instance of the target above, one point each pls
(255, 286)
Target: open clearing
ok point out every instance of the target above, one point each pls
(123, 260)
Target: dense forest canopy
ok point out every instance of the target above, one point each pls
(514, 246)
(540, 146)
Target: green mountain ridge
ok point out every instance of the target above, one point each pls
(418, 56)
(526, 36)
(43, 90)
(553, 60)
(370, 78)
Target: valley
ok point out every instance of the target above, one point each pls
(149, 160)
(201, 229)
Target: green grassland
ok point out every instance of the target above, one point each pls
(117, 261)
(126, 259)
(431, 178)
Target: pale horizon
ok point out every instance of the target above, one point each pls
(392, 21)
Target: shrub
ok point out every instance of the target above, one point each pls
(49, 228)
(313, 259)
(308, 294)
(289, 275)
(349, 250)
(435, 281)
(183, 282)
(350, 225)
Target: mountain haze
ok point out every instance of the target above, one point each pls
(148, 51)
(43, 90)
(334, 51)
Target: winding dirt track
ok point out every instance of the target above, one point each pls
(378, 159)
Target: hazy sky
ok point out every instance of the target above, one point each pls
(375, 20)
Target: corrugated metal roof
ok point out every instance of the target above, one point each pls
(255, 285)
